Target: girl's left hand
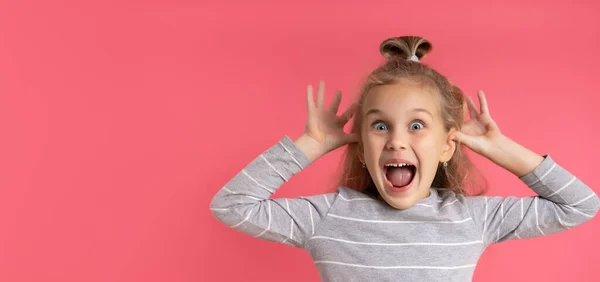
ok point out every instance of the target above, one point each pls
(480, 132)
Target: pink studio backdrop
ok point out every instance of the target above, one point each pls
(121, 119)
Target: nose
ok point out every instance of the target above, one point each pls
(396, 141)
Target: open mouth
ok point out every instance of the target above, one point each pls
(399, 176)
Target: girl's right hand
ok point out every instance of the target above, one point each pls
(324, 129)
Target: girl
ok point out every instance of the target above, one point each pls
(401, 210)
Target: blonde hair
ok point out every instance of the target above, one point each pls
(458, 175)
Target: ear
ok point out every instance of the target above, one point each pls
(359, 151)
(449, 147)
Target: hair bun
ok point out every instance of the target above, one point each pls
(404, 47)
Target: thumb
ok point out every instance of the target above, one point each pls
(350, 138)
(461, 137)
(472, 142)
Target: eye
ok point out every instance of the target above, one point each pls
(417, 125)
(379, 125)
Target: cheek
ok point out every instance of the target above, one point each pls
(426, 145)
(372, 144)
(424, 139)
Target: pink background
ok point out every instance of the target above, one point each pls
(121, 119)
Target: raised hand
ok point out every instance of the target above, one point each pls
(480, 132)
(324, 129)
(482, 135)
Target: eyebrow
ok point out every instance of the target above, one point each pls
(378, 111)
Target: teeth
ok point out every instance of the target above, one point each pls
(397, 165)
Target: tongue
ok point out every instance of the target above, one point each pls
(399, 176)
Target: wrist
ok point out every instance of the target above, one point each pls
(309, 146)
(500, 145)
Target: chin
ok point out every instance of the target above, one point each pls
(400, 198)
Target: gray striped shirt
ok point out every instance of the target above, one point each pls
(352, 237)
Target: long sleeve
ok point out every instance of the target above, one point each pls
(563, 202)
(244, 203)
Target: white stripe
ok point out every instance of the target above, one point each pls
(253, 198)
(515, 231)
(291, 219)
(392, 221)
(394, 267)
(291, 155)
(395, 244)
(267, 161)
(447, 204)
(521, 209)
(259, 185)
(248, 196)
(579, 212)
(584, 199)
(484, 219)
(565, 186)
(312, 223)
(327, 201)
(430, 206)
(551, 168)
(218, 209)
(247, 217)
(502, 211)
(356, 199)
(501, 221)
(370, 199)
(269, 218)
(537, 220)
(540, 179)
(235, 193)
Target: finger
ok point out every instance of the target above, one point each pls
(310, 100)
(335, 103)
(483, 102)
(347, 115)
(472, 108)
(321, 95)
(454, 136)
(460, 137)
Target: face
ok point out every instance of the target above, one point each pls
(404, 141)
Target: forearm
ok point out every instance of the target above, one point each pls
(562, 202)
(514, 157)
(259, 179)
